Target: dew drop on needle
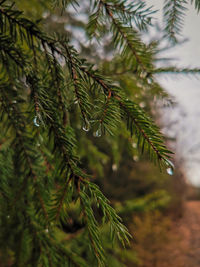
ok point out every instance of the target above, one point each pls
(86, 125)
(170, 171)
(98, 133)
(35, 121)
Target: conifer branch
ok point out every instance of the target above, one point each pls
(15, 53)
(174, 12)
(144, 125)
(106, 107)
(127, 36)
(196, 4)
(15, 121)
(58, 210)
(81, 96)
(133, 12)
(175, 70)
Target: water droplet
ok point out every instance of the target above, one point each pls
(98, 133)
(86, 125)
(45, 14)
(149, 80)
(170, 171)
(143, 74)
(35, 121)
(46, 230)
(114, 167)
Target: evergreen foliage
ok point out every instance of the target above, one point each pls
(47, 90)
(197, 4)
(174, 12)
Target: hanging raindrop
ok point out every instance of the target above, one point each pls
(149, 80)
(143, 74)
(86, 125)
(35, 121)
(98, 133)
(170, 171)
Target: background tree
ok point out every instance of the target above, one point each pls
(54, 105)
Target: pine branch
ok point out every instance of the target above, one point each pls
(65, 3)
(175, 70)
(9, 51)
(24, 30)
(80, 90)
(174, 12)
(136, 12)
(145, 128)
(109, 215)
(196, 4)
(59, 82)
(60, 198)
(92, 227)
(95, 23)
(21, 140)
(144, 125)
(126, 38)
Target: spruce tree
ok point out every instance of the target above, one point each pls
(50, 97)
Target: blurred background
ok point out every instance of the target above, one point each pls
(181, 121)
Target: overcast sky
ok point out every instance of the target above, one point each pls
(185, 118)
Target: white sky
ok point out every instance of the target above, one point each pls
(185, 118)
